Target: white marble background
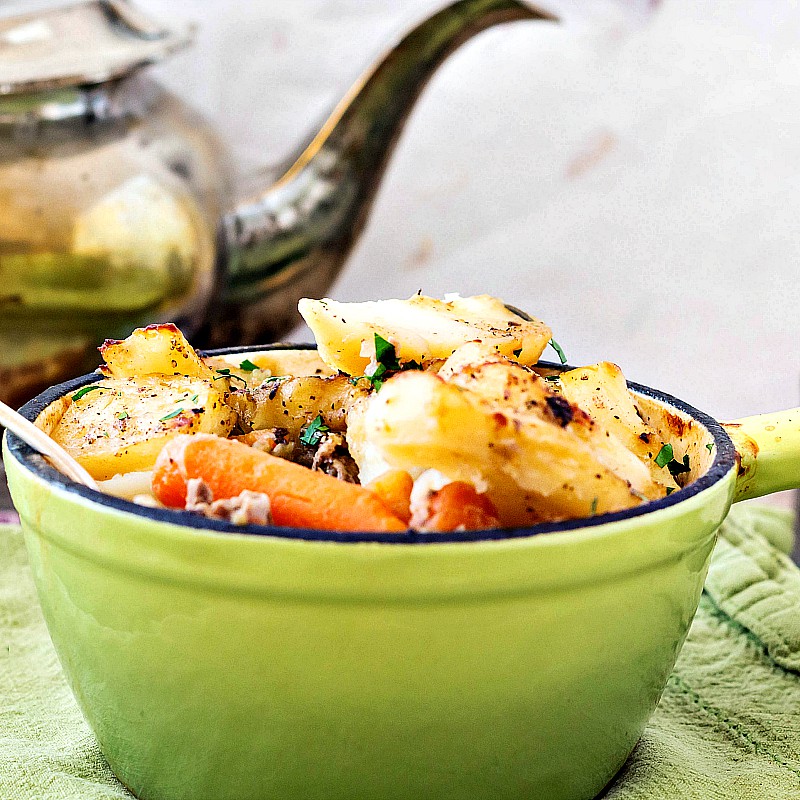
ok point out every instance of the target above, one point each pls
(639, 190)
(637, 186)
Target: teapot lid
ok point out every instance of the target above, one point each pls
(85, 42)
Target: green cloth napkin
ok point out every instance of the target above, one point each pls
(727, 727)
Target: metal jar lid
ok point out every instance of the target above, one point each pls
(79, 44)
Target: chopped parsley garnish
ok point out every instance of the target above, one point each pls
(679, 467)
(248, 366)
(176, 413)
(375, 371)
(385, 353)
(374, 374)
(226, 373)
(670, 490)
(557, 347)
(123, 415)
(194, 398)
(593, 509)
(386, 364)
(710, 447)
(666, 458)
(314, 431)
(552, 378)
(665, 455)
(85, 390)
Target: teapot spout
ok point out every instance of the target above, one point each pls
(291, 240)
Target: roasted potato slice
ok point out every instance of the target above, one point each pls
(129, 485)
(154, 350)
(368, 454)
(292, 403)
(269, 363)
(601, 391)
(420, 328)
(117, 426)
(420, 420)
(51, 415)
(508, 388)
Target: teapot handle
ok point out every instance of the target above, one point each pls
(291, 239)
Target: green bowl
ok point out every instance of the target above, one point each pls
(219, 663)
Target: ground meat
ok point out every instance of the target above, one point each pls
(248, 508)
(330, 455)
(266, 441)
(198, 492)
(281, 435)
(285, 450)
(274, 441)
(333, 458)
(300, 453)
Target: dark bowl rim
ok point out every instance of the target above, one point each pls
(725, 459)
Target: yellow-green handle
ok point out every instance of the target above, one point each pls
(769, 448)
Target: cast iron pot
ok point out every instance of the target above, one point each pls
(224, 663)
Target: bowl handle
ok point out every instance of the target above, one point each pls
(769, 449)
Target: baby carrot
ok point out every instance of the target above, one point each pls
(299, 498)
(458, 506)
(394, 488)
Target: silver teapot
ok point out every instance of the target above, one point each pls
(116, 200)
